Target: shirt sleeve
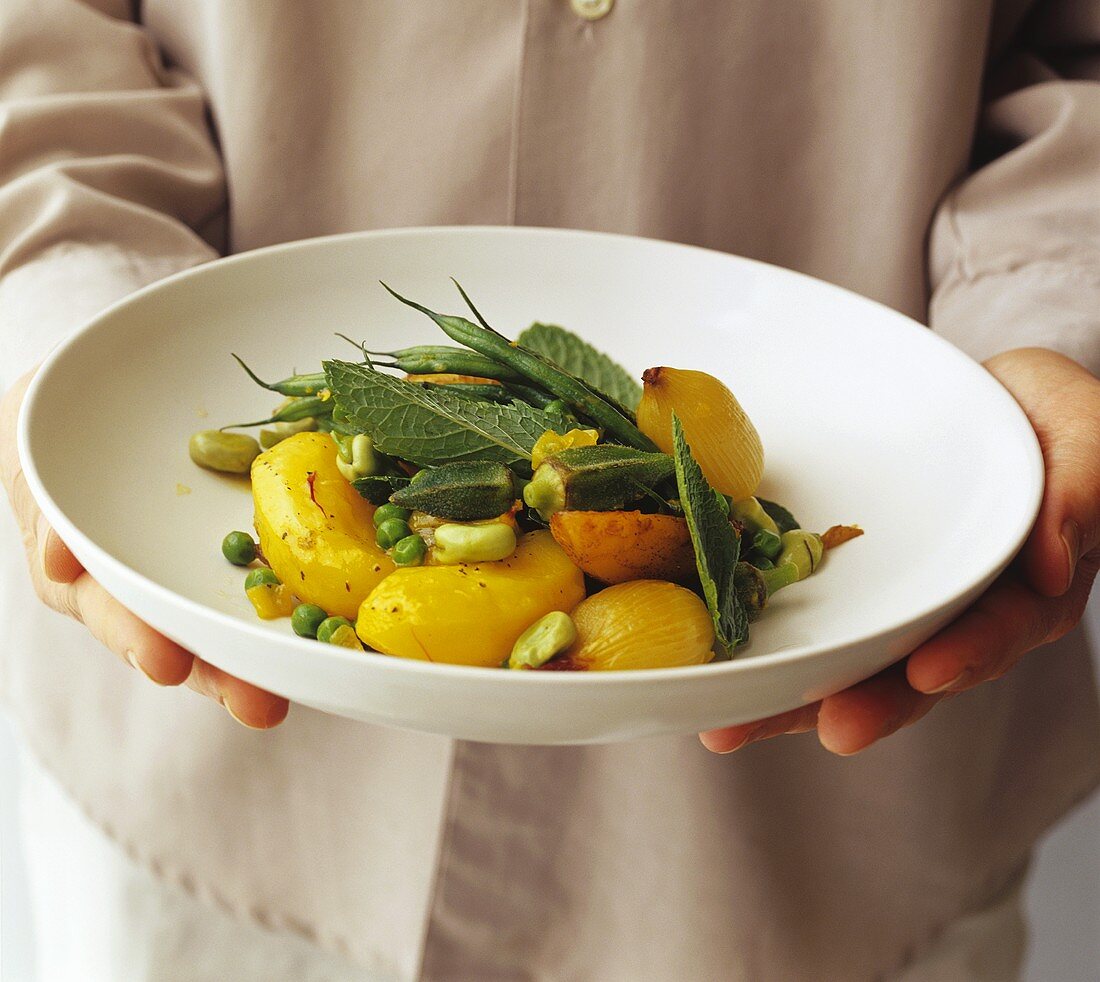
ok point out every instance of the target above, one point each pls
(109, 177)
(1015, 247)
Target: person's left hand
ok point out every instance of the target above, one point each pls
(1039, 598)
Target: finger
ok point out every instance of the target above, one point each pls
(731, 738)
(58, 562)
(251, 706)
(1062, 403)
(1005, 623)
(852, 720)
(159, 659)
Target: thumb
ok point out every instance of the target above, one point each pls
(1062, 402)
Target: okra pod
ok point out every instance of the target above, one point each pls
(463, 491)
(378, 487)
(599, 478)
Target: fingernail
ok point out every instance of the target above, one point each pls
(229, 709)
(1071, 541)
(950, 683)
(132, 658)
(750, 737)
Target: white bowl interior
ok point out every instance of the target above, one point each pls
(865, 417)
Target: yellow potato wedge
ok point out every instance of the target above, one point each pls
(315, 530)
(470, 613)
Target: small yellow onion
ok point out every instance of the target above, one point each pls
(640, 624)
(721, 436)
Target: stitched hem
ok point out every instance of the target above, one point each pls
(263, 917)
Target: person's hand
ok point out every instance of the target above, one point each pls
(1037, 600)
(63, 584)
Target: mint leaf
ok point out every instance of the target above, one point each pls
(579, 358)
(716, 543)
(432, 426)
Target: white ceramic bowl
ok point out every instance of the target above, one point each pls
(865, 416)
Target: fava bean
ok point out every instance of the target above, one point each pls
(474, 543)
(550, 635)
(231, 453)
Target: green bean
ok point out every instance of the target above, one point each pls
(231, 453)
(540, 371)
(536, 397)
(293, 410)
(280, 431)
(296, 385)
(471, 390)
(441, 359)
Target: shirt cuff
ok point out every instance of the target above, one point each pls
(1051, 303)
(47, 299)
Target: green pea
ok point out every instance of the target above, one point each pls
(391, 531)
(239, 548)
(231, 453)
(261, 577)
(383, 513)
(330, 624)
(306, 619)
(409, 551)
(550, 635)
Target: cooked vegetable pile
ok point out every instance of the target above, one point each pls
(523, 504)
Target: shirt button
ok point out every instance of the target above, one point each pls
(591, 9)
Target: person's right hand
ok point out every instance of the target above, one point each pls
(63, 584)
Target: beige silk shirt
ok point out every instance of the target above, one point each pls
(844, 138)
